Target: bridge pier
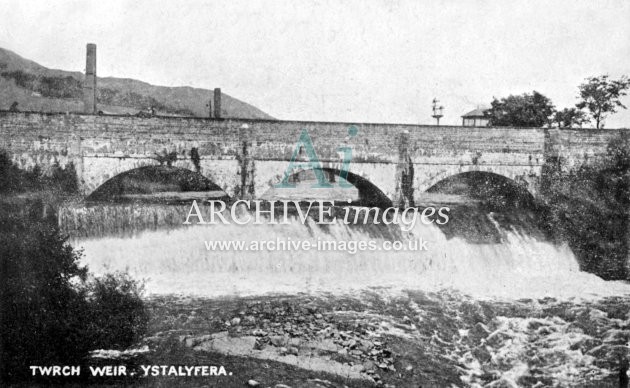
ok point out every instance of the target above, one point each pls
(246, 164)
(403, 196)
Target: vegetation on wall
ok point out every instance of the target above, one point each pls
(590, 207)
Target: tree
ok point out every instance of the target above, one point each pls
(568, 117)
(601, 96)
(526, 110)
(52, 312)
(588, 207)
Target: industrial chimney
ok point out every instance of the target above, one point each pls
(89, 85)
(217, 103)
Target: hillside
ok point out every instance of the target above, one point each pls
(37, 88)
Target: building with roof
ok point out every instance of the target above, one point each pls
(475, 118)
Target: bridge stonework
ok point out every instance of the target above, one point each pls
(247, 157)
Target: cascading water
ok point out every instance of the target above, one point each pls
(495, 300)
(499, 260)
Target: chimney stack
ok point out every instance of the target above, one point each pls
(89, 85)
(217, 103)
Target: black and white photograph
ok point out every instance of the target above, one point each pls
(315, 193)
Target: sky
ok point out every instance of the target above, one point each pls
(337, 60)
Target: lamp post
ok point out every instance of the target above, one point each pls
(437, 111)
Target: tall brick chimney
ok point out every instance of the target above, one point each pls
(217, 103)
(89, 85)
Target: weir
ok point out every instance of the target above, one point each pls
(478, 252)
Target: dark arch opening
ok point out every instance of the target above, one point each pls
(487, 187)
(160, 183)
(490, 204)
(368, 193)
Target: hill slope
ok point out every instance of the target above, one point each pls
(37, 88)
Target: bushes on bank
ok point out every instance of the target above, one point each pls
(16, 180)
(52, 313)
(118, 318)
(591, 208)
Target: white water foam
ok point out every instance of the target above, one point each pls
(177, 262)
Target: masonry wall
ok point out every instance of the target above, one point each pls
(103, 146)
(272, 140)
(576, 147)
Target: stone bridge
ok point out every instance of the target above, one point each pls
(247, 157)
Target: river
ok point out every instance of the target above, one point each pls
(544, 320)
(478, 252)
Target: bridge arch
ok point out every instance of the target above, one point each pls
(93, 171)
(526, 177)
(369, 194)
(485, 185)
(144, 181)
